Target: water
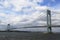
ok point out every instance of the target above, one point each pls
(40, 29)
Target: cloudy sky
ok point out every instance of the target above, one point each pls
(28, 12)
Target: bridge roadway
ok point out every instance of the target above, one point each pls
(42, 26)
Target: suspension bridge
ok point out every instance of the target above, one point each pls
(48, 19)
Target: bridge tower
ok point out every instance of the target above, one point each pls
(49, 29)
(8, 27)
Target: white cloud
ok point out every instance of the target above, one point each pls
(6, 4)
(35, 1)
(2, 14)
(36, 12)
(53, 0)
(14, 19)
(18, 19)
(41, 7)
(18, 4)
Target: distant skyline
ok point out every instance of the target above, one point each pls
(28, 12)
